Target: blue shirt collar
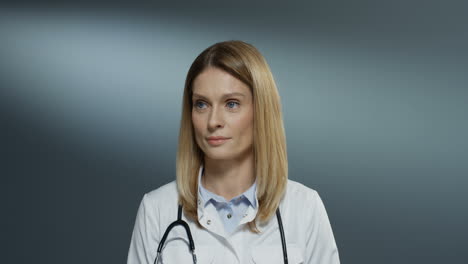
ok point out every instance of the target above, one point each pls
(250, 195)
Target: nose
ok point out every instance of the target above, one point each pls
(216, 119)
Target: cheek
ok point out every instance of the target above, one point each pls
(196, 122)
(245, 125)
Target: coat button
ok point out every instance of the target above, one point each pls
(229, 216)
(208, 221)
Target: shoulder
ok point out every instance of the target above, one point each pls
(297, 192)
(165, 195)
(168, 189)
(300, 199)
(304, 206)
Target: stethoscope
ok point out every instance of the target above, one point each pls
(181, 222)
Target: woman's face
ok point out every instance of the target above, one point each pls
(222, 106)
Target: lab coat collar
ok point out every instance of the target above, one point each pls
(206, 196)
(203, 207)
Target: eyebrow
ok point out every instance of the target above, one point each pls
(222, 97)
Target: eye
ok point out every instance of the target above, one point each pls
(199, 104)
(232, 104)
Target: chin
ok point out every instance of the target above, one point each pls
(218, 155)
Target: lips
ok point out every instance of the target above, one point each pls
(217, 140)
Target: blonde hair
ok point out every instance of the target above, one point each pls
(244, 62)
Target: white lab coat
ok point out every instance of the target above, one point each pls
(308, 232)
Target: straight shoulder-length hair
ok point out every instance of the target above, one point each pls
(244, 62)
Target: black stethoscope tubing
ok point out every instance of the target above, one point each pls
(181, 222)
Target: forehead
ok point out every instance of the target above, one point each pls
(213, 81)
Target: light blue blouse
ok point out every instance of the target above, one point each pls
(230, 212)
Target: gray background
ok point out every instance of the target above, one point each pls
(374, 97)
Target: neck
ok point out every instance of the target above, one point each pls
(228, 178)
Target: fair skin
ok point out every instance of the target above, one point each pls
(223, 106)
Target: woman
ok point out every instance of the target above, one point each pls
(232, 175)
